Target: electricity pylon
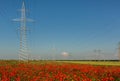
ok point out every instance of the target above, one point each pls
(53, 53)
(97, 54)
(23, 50)
(119, 50)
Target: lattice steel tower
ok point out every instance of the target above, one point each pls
(23, 50)
(119, 50)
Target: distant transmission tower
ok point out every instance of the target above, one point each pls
(53, 53)
(23, 50)
(97, 54)
(119, 50)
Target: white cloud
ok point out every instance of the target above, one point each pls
(65, 54)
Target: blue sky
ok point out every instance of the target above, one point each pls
(74, 26)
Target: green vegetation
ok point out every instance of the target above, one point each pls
(112, 63)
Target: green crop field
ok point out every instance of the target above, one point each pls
(113, 63)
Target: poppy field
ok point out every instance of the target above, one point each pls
(56, 71)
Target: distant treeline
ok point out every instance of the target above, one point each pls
(59, 60)
(87, 60)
